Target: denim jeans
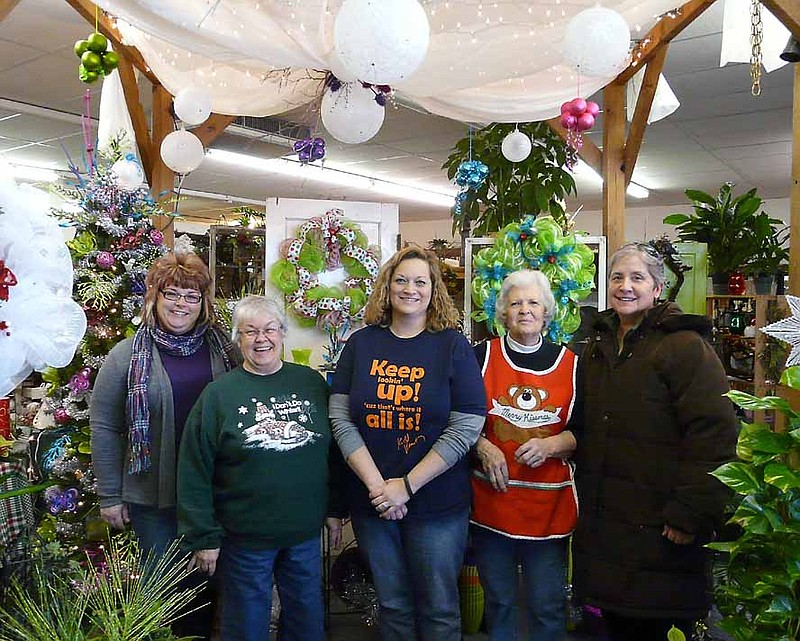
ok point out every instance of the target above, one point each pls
(156, 529)
(544, 577)
(246, 577)
(415, 566)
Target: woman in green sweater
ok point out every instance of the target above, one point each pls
(253, 483)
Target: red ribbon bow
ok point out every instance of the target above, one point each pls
(7, 279)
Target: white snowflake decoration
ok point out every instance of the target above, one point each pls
(788, 330)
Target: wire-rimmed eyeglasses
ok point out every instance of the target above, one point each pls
(191, 298)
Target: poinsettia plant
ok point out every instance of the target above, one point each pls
(759, 595)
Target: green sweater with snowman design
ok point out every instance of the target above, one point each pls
(253, 467)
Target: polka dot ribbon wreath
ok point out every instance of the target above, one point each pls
(324, 244)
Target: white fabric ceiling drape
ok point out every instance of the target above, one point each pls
(487, 61)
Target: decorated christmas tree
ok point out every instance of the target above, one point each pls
(114, 244)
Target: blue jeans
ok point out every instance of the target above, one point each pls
(156, 529)
(246, 577)
(415, 566)
(544, 577)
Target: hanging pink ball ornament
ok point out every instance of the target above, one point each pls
(577, 115)
(585, 121)
(577, 106)
(568, 121)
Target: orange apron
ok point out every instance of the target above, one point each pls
(540, 502)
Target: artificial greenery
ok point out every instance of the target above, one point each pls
(121, 597)
(535, 243)
(771, 251)
(512, 190)
(727, 224)
(760, 594)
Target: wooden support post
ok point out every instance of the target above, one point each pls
(613, 170)
(163, 181)
(794, 194)
(6, 7)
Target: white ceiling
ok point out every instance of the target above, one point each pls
(720, 133)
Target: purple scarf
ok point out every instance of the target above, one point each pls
(136, 405)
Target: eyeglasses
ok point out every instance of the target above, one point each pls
(268, 332)
(191, 298)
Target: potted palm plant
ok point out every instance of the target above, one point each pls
(769, 254)
(726, 224)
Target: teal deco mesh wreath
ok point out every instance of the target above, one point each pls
(535, 243)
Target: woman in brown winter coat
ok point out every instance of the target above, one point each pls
(656, 423)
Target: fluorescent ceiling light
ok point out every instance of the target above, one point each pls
(335, 176)
(28, 172)
(634, 190)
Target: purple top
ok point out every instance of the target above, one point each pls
(188, 376)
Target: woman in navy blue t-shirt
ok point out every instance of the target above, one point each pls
(407, 404)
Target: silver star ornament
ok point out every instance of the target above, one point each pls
(788, 330)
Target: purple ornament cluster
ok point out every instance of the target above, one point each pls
(310, 149)
(382, 92)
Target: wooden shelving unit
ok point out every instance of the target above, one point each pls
(721, 309)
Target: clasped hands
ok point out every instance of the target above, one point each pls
(532, 453)
(389, 499)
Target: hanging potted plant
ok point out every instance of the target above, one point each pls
(770, 252)
(726, 224)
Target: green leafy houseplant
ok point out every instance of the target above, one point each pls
(512, 190)
(726, 223)
(128, 598)
(759, 595)
(770, 252)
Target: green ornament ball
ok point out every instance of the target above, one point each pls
(110, 61)
(86, 75)
(91, 61)
(97, 42)
(81, 47)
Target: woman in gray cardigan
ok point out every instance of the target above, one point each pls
(143, 394)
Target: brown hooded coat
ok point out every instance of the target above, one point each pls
(655, 424)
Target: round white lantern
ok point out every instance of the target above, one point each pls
(193, 106)
(597, 42)
(128, 173)
(351, 114)
(182, 151)
(381, 41)
(339, 70)
(516, 146)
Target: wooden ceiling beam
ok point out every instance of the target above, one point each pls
(88, 10)
(141, 129)
(613, 174)
(664, 31)
(6, 7)
(788, 12)
(644, 103)
(589, 152)
(210, 130)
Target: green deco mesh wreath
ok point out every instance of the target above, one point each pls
(535, 243)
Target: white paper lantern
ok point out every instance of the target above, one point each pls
(516, 146)
(351, 114)
(192, 106)
(597, 42)
(129, 174)
(339, 70)
(182, 151)
(381, 41)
